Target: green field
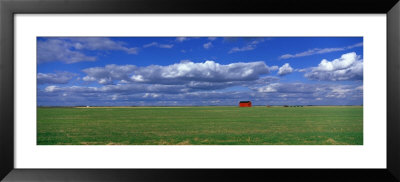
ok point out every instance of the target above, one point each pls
(333, 125)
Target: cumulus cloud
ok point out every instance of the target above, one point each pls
(208, 71)
(189, 83)
(269, 88)
(54, 78)
(207, 75)
(319, 51)
(207, 45)
(109, 74)
(285, 69)
(70, 50)
(348, 67)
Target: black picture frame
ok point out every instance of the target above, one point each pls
(9, 8)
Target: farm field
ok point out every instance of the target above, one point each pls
(213, 125)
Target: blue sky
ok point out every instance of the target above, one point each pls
(192, 71)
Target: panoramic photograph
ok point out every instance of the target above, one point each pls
(199, 91)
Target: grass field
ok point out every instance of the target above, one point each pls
(333, 125)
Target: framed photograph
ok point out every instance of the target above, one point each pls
(130, 90)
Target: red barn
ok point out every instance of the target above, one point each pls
(245, 104)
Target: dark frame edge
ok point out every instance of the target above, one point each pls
(393, 100)
(7, 89)
(7, 10)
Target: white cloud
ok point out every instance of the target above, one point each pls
(100, 43)
(288, 88)
(208, 71)
(338, 92)
(156, 44)
(152, 95)
(207, 45)
(319, 51)
(273, 68)
(212, 38)
(248, 47)
(156, 94)
(312, 91)
(51, 88)
(208, 75)
(348, 67)
(302, 69)
(355, 45)
(119, 89)
(269, 88)
(54, 78)
(150, 44)
(166, 46)
(240, 49)
(59, 50)
(261, 81)
(70, 50)
(285, 69)
(109, 73)
(181, 39)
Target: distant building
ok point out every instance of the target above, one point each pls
(245, 104)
